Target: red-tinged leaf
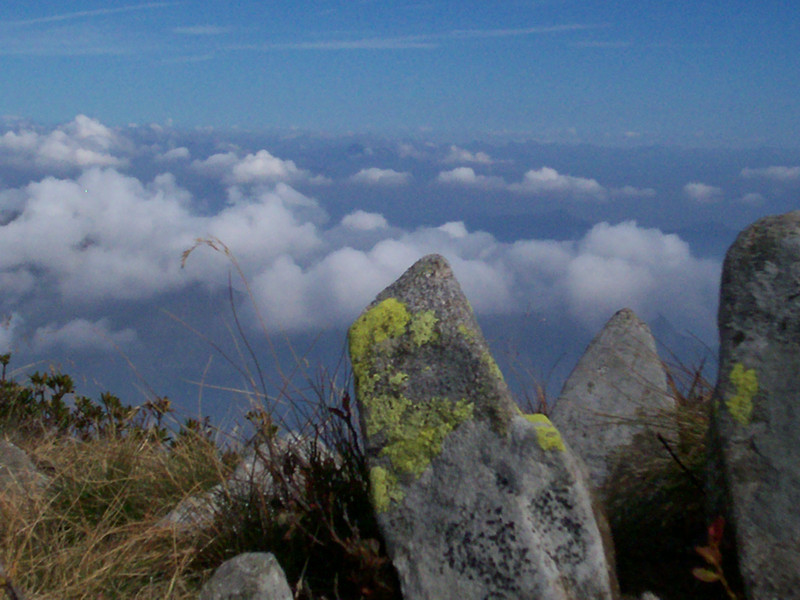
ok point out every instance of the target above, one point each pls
(715, 530)
(706, 575)
(710, 554)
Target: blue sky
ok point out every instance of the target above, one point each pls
(568, 159)
(604, 72)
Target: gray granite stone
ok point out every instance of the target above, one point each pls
(755, 432)
(474, 499)
(616, 392)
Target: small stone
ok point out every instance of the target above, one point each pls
(250, 576)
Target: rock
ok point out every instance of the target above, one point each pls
(755, 427)
(474, 499)
(17, 471)
(250, 576)
(617, 391)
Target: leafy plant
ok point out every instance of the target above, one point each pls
(712, 554)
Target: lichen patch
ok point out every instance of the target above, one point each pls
(740, 405)
(546, 433)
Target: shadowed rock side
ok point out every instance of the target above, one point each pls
(474, 499)
(756, 422)
(617, 391)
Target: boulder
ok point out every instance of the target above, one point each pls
(474, 499)
(755, 425)
(617, 392)
(249, 576)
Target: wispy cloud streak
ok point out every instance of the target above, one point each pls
(89, 13)
(419, 41)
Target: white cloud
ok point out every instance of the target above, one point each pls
(462, 155)
(549, 181)
(702, 193)
(81, 143)
(544, 181)
(82, 334)
(376, 176)
(652, 272)
(261, 167)
(180, 153)
(780, 174)
(107, 235)
(466, 176)
(364, 221)
(103, 236)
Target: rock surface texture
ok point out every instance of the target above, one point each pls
(474, 499)
(756, 422)
(250, 576)
(616, 392)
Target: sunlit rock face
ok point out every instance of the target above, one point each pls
(616, 396)
(474, 498)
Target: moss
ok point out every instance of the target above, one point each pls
(741, 404)
(423, 327)
(546, 433)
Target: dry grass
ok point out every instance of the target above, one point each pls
(657, 508)
(92, 531)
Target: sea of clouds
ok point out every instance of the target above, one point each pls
(95, 221)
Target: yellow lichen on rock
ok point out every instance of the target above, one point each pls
(417, 438)
(546, 433)
(383, 488)
(740, 405)
(414, 432)
(386, 320)
(468, 333)
(423, 327)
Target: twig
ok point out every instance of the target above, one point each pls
(679, 462)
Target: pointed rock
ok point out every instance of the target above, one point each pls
(474, 499)
(617, 391)
(756, 422)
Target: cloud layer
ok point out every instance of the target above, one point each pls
(103, 235)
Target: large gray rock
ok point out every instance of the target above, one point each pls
(617, 392)
(474, 499)
(756, 424)
(250, 576)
